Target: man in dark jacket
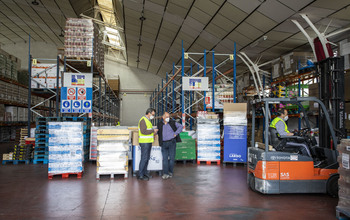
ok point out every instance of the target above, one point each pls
(168, 134)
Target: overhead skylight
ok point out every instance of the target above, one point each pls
(107, 12)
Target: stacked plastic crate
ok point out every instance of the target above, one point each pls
(22, 153)
(208, 138)
(186, 149)
(66, 153)
(112, 152)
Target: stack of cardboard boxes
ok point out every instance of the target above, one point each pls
(344, 179)
(45, 76)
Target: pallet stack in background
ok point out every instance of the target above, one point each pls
(66, 154)
(83, 40)
(41, 136)
(344, 177)
(23, 153)
(186, 149)
(208, 137)
(112, 152)
(9, 65)
(79, 35)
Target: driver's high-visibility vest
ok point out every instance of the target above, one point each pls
(277, 119)
(146, 138)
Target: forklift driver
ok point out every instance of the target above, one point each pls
(279, 123)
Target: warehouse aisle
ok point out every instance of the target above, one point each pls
(196, 192)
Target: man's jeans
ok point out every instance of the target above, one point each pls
(168, 152)
(145, 155)
(302, 147)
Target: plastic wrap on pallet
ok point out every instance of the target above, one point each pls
(207, 121)
(235, 118)
(208, 140)
(66, 152)
(112, 151)
(107, 145)
(93, 143)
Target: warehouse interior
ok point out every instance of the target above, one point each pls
(77, 78)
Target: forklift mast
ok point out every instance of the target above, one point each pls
(331, 93)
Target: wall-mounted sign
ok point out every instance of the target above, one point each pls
(195, 83)
(77, 80)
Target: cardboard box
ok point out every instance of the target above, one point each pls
(113, 131)
(13, 110)
(135, 139)
(291, 61)
(276, 68)
(114, 84)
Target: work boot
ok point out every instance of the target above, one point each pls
(165, 176)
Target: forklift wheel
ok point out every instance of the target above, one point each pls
(332, 186)
(252, 182)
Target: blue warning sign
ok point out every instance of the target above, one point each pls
(87, 106)
(66, 106)
(76, 106)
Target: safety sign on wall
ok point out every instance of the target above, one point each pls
(86, 106)
(77, 80)
(81, 93)
(76, 100)
(76, 106)
(195, 83)
(66, 106)
(71, 93)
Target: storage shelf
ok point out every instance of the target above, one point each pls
(13, 82)
(15, 123)
(7, 102)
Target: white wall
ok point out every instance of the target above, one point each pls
(134, 104)
(37, 50)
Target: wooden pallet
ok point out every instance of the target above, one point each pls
(65, 175)
(208, 162)
(111, 175)
(185, 161)
(15, 162)
(234, 163)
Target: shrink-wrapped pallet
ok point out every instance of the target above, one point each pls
(65, 147)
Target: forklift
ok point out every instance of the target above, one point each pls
(275, 168)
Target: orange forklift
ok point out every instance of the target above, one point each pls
(275, 168)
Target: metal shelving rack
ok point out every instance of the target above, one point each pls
(105, 101)
(170, 97)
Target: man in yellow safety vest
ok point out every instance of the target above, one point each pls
(279, 123)
(146, 138)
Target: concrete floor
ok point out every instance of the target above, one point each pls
(195, 192)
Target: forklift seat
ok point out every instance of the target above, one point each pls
(281, 143)
(274, 139)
